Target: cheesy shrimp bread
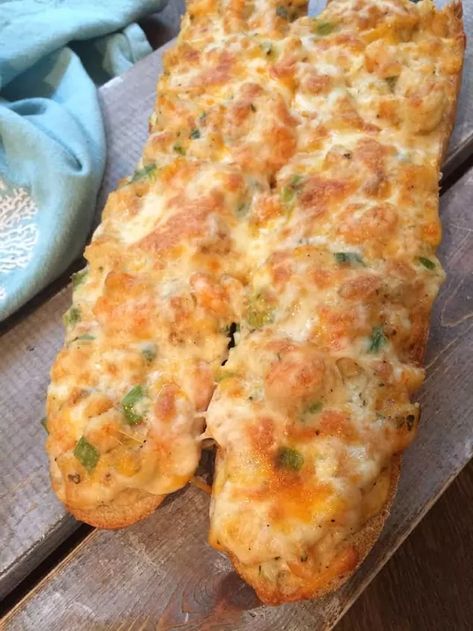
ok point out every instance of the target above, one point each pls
(148, 328)
(287, 198)
(314, 404)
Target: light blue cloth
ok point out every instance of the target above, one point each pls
(52, 143)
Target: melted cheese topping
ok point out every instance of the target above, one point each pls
(316, 397)
(290, 185)
(166, 275)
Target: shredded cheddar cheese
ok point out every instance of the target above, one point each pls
(287, 197)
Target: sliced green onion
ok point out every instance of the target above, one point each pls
(348, 258)
(289, 192)
(129, 405)
(288, 458)
(72, 316)
(287, 195)
(84, 338)
(310, 410)
(224, 374)
(86, 454)
(427, 263)
(146, 172)
(195, 134)
(314, 407)
(377, 340)
(178, 148)
(260, 312)
(149, 352)
(44, 423)
(79, 277)
(324, 28)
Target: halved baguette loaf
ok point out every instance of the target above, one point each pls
(167, 269)
(288, 196)
(314, 407)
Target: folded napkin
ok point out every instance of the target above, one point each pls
(53, 53)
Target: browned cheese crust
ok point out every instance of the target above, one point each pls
(339, 569)
(287, 198)
(315, 404)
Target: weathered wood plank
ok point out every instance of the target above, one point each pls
(162, 574)
(413, 590)
(32, 522)
(29, 514)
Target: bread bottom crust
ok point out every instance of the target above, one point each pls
(128, 507)
(336, 574)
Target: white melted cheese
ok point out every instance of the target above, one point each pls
(241, 222)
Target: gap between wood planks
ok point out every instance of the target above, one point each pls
(452, 177)
(47, 565)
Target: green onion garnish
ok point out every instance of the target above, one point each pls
(149, 352)
(146, 172)
(377, 339)
(426, 262)
(84, 338)
(324, 28)
(289, 458)
(72, 316)
(129, 403)
(260, 312)
(79, 277)
(348, 258)
(86, 454)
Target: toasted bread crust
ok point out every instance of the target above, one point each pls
(336, 574)
(456, 12)
(127, 508)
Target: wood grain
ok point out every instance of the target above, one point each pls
(162, 574)
(426, 586)
(30, 515)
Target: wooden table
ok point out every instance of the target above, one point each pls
(154, 575)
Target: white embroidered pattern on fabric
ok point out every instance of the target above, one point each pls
(18, 235)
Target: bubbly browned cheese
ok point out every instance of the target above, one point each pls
(314, 402)
(288, 192)
(166, 275)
